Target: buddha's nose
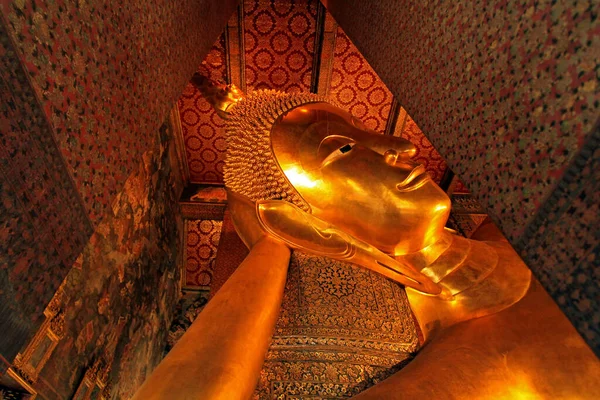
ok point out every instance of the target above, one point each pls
(383, 143)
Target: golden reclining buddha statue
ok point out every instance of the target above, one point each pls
(352, 272)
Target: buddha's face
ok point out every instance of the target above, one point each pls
(358, 180)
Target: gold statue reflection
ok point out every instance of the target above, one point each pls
(303, 174)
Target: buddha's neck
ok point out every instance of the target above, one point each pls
(425, 257)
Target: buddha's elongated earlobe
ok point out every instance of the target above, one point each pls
(245, 221)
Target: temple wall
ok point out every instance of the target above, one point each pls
(119, 296)
(507, 91)
(117, 301)
(85, 86)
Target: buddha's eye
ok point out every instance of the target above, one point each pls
(346, 148)
(334, 147)
(339, 152)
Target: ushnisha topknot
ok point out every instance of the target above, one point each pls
(251, 168)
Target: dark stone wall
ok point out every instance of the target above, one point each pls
(508, 93)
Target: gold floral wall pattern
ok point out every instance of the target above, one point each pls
(279, 40)
(201, 251)
(202, 128)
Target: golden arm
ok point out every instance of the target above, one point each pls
(221, 354)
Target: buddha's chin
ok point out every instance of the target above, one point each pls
(417, 241)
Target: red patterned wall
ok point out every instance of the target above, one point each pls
(203, 130)
(356, 87)
(201, 252)
(458, 186)
(279, 41)
(426, 153)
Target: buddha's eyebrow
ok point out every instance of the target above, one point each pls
(342, 137)
(342, 143)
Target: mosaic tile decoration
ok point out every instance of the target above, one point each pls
(508, 92)
(43, 223)
(341, 330)
(563, 244)
(203, 130)
(201, 252)
(279, 44)
(356, 87)
(108, 75)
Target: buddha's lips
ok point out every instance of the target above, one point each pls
(413, 180)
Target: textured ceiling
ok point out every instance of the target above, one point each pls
(278, 42)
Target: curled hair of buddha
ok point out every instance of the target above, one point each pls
(251, 168)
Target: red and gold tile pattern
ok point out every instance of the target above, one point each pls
(201, 252)
(203, 130)
(457, 186)
(279, 44)
(356, 87)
